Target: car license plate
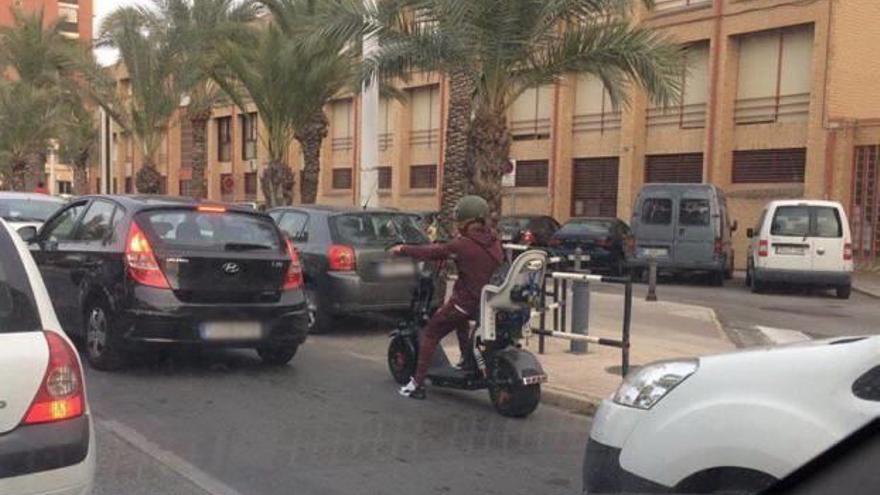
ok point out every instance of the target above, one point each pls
(232, 330)
(791, 250)
(506, 237)
(655, 252)
(583, 257)
(396, 269)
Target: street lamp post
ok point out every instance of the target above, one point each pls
(369, 149)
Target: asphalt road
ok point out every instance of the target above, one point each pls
(816, 313)
(330, 423)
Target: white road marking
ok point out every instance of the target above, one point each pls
(174, 462)
(782, 335)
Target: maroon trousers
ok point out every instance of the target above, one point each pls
(444, 321)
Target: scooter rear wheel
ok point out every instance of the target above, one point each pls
(402, 359)
(509, 396)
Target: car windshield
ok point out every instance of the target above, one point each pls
(28, 209)
(211, 231)
(586, 227)
(363, 229)
(18, 311)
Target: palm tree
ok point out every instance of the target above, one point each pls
(494, 50)
(205, 25)
(289, 82)
(27, 123)
(78, 136)
(158, 77)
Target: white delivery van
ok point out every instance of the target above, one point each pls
(801, 242)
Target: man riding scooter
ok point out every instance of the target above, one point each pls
(477, 253)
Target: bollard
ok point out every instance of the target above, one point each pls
(578, 309)
(577, 259)
(652, 280)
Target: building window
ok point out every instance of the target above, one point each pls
(530, 114)
(184, 187)
(593, 111)
(594, 187)
(680, 168)
(666, 5)
(532, 173)
(250, 186)
(341, 125)
(423, 177)
(163, 185)
(249, 126)
(68, 19)
(386, 133)
(384, 177)
(341, 178)
(227, 187)
(186, 143)
(425, 116)
(64, 187)
(769, 166)
(775, 76)
(98, 185)
(224, 139)
(129, 185)
(115, 185)
(690, 112)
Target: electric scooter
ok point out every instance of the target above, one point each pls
(512, 375)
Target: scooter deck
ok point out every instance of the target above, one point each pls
(450, 377)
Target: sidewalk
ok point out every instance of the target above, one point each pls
(867, 283)
(660, 330)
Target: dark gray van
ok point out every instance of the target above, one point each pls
(685, 227)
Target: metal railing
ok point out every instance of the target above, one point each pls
(692, 116)
(771, 108)
(597, 122)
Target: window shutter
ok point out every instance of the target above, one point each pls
(342, 178)
(589, 93)
(769, 166)
(341, 125)
(797, 61)
(425, 115)
(532, 173)
(384, 177)
(423, 177)
(679, 168)
(758, 62)
(594, 191)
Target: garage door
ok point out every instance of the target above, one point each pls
(684, 167)
(865, 205)
(594, 187)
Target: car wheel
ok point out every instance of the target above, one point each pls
(748, 277)
(757, 285)
(717, 278)
(102, 343)
(277, 356)
(318, 319)
(844, 291)
(509, 396)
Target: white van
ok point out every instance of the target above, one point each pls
(801, 242)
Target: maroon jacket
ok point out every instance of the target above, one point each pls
(477, 254)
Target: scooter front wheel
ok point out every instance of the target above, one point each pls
(509, 395)
(402, 359)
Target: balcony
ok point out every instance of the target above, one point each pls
(772, 109)
(342, 144)
(692, 116)
(525, 130)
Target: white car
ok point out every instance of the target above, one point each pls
(732, 422)
(801, 242)
(21, 210)
(47, 437)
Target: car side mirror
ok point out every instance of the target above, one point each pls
(28, 234)
(750, 232)
(734, 226)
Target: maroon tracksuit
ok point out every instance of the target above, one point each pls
(477, 254)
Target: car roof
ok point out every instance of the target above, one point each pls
(678, 186)
(810, 202)
(594, 219)
(145, 201)
(336, 209)
(33, 196)
(529, 216)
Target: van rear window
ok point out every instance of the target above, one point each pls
(657, 211)
(827, 222)
(210, 231)
(807, 221)
(693, 212)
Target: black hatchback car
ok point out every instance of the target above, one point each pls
(348, 270)
(532, 230)
(603, 244)
(126, 272)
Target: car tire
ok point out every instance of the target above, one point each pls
(402, 359)
(748, 277)
(103, 345)
(277, 356)
(717, 278)
(318, 319)
(844, 291)
(514, 400)
(757, 285)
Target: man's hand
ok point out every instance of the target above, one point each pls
(397, 250)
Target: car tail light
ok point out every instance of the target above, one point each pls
(528, 237)
(340, 258)
(847, 252)
(211, 209)
(61, 394)
(719, 248)
(293, 279)
(631, 245)
(763, 248)
(555, 242)
(141, 263)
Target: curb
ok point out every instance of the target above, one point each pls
(866, 292)
(576, 403)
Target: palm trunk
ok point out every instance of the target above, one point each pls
(35, 171)
(310, 138)
(80, 174)
(455, 170)
(278, 182)
(18, 175)
(147, 178)
(198, 184)
(490, 146)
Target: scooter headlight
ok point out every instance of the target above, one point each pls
(645, 387)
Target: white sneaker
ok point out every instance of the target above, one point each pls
(412, 390)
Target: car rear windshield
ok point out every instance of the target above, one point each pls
(657, 211)
(18, 310)
(362, 229)
(211, 231)
(27, 209)
(513, 223)
(693, 211)
(807, 221)
(586, 227)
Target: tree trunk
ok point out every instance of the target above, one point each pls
(278, 182)
(35, 172)
(18, 173)
(490, 145)
(81, 174)
(198, 184)
(455, 167)
(310, 138)
(147, 178)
